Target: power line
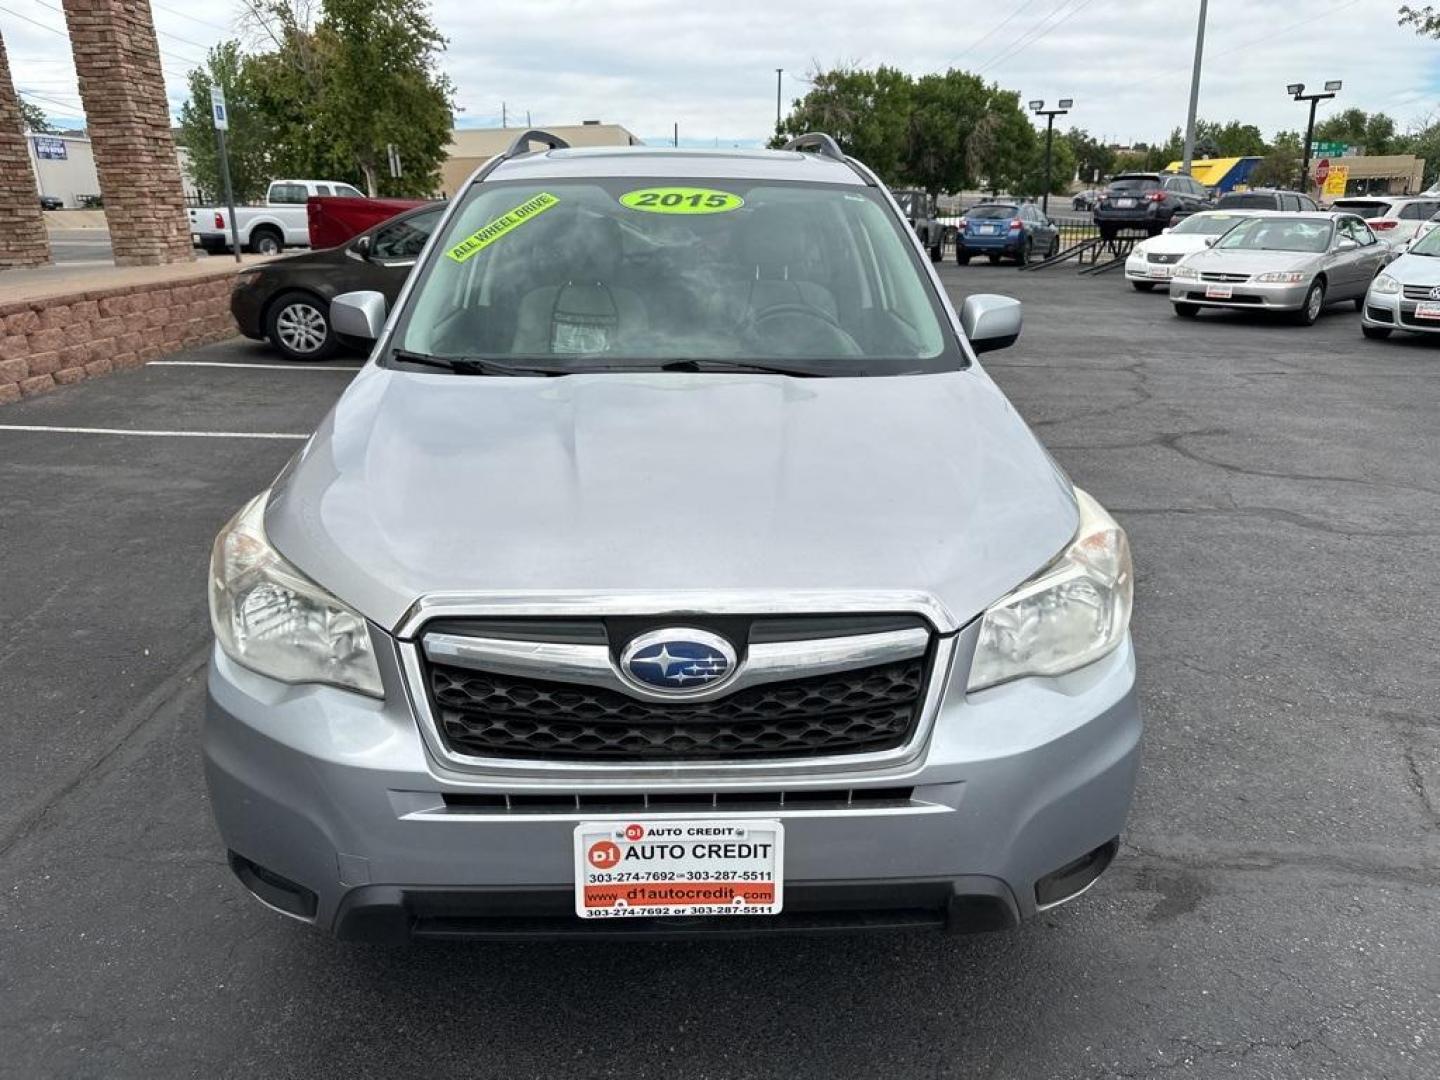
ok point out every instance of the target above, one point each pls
(162, 33)
(66, 35)
(70, 109)
(1036, 35)
(192, 18)
(994, 30)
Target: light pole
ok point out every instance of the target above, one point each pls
(779, 73)
(1194, 92)
(1297, 91)
(1062, 107)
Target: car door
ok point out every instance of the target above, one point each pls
(384, 256)
(1376, 255)
(1348, 260)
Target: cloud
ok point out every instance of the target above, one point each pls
(710, 68)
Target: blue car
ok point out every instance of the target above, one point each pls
(1006, 230)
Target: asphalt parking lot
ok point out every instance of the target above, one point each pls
(1274, 913)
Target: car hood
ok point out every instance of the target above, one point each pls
(1252, 262)
(1415, 270)
(1183, 244)
(669, 482)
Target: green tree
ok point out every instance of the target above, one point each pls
(1062, 168)
(1425, 20)
(384, 52)
(32, 116)
(1001, 147)
(1374, 131)
(867, 112)
(1423, 140)
(1281, 165)
(944, 111)
(1094, 160)
(1234, 139)
(248, 138)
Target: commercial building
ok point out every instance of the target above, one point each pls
(472, 147)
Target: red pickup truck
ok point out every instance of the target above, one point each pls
(334, 220)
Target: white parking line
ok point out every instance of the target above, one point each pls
(263, 367)
(154, 434)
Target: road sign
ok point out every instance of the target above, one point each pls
(1336, 180)
(1322, 170)
(218, 112)
(393, 154)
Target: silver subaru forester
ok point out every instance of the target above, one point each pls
(672, 567)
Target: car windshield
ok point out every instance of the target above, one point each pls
(1206, 224)
(634, 274)
(1429, 244)
(1277, 234)
(983, 213)
(1250, 200)
(1134, 183)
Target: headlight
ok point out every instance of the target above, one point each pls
(1385, 285)
(244, 279)
(1072, 613)
(1286, 277)
(1185, 273)
(271, 618)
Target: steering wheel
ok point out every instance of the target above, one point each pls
(830, 329)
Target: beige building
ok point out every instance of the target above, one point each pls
(472, 147)
(1383, 174)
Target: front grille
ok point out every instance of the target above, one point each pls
(1420, 292)
(1154, 258)
(1409, 318)
(1222, 278)
(483, 714)
(669, 802)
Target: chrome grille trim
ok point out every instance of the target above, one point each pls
(594, 665)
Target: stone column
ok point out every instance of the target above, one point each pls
(118, 64)
(23, 241)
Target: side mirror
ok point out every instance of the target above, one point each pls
(1346, 244)
(990, 322)
(1166, 229)
(358, 314)
(1210, 241)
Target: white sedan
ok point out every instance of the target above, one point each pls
(1151, 262)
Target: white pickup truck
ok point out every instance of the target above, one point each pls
(267, 229)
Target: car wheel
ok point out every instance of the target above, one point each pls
(1108, 232)
(1359, 303)
(1054, 247)
(962, 257)
(1314, 304)
(1142, 286)
(298, 326)
(1375, 333)
(1187, 311)
(935, 250)
(994, 258)
(266, 242)
(1026, 252)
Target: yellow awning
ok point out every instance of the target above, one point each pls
(1210, 171)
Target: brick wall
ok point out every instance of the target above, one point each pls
(118, 67)
(23, 241)
(53, 342)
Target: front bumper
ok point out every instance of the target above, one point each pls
(1141, 269)
(247, 307)
(339, 795)
(1393, 312)
(1244, 295)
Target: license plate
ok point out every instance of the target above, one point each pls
(194, 238)
(1160, 271)
(1125, 204)
(1427, 311)
(1218, 292)
(989, 230)
(645, 869)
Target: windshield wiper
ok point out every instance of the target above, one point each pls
(475, 365)
(800, 371)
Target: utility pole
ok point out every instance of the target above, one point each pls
(504, 117)
(1297, 91)
(1063, 106)
(1194, 91)
(779, 73)
(675, 140)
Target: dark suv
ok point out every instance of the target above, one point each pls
(1148, 202)
(1266, 199)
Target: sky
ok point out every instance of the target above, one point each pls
(648, 64)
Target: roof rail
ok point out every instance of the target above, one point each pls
(817, 140)
(522, 142)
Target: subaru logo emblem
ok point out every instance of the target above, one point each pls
(677, 661)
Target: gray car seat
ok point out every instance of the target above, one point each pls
(589, 311)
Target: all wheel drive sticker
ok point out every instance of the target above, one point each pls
(644, 869)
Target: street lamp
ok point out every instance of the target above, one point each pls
(1297, 91)
(779, 74)
(1063, 106)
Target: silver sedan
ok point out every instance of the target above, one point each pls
(1295, 263)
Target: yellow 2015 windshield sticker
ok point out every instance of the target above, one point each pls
(482, 238)
(681, 200)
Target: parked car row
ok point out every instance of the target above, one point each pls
(1297, 264)
(268, 229)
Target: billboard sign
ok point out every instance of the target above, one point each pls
(50, 149)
